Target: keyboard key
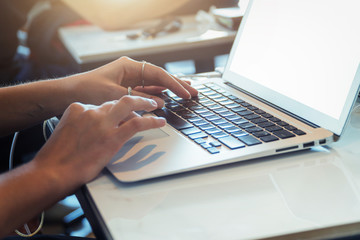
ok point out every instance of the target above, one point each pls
(212, 131)
(205, 145)
(183, 112)
(259, 111)
(205, 114)
(283, 134)
(219, 135)
(200, 141)
(196, 107)
(200, 122)
(191, 130)
(259, 120)
(269, 138)
(246, 125)
(204, 100)
(240, 121)
(232, 97)
(226, 113)
(251, 116)
(244, 113)
(253, 129)
(299, 132)
(252, 108)
(215, 143)
(233, 118)
(282, 123)
(226, 125)
(219, 99)
(212, 117)
(232, 129)
(231, 142)
(172, 119)
(220, 110)
(274, 119)
(290, 127)
(226, 102)
(245, 104)
(239, 100)
(273, 128)
(261, 134)
(198, 135)
(213, 150)
(266, 124)
(194, 119)
(239, 133)
(206, 126)
(220, 121)
(214, 96)
(249, 140)
(209, 92)
(238, 109)
(266, 115)
(202, 110)
(189, 115)
(216, 106)
(233, 105)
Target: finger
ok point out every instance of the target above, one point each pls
(130, 116)
(127, 105)
(156, 76)
(187, 85)
(134, 125)
(158, 100)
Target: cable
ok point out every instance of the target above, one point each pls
(11, 165)
(29, 234)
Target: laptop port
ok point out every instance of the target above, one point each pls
(322, 141)
(309, 144)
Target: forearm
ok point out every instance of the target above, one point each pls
(117, 14)
(25, 192)
(28, 104)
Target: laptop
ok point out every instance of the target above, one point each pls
(290, 83)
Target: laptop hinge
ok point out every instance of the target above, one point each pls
(272, 105)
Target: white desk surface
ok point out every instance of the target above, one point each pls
(270, 197)
(88, 43)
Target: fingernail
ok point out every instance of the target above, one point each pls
(153, 102)
(162, 120)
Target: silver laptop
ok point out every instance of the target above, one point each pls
(290, 83)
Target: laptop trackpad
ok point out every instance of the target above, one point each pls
(139, 151)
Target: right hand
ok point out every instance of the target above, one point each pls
(88, 136)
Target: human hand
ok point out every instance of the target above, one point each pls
(111, 82)
(88, 136)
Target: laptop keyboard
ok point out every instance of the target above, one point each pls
(217, 118)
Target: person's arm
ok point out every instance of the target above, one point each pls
(117, 14)
(82, 144)
(86, 137)
(28, 104)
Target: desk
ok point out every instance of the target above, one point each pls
(308, 194)
(91, 47)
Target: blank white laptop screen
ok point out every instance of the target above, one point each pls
(306, 51)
